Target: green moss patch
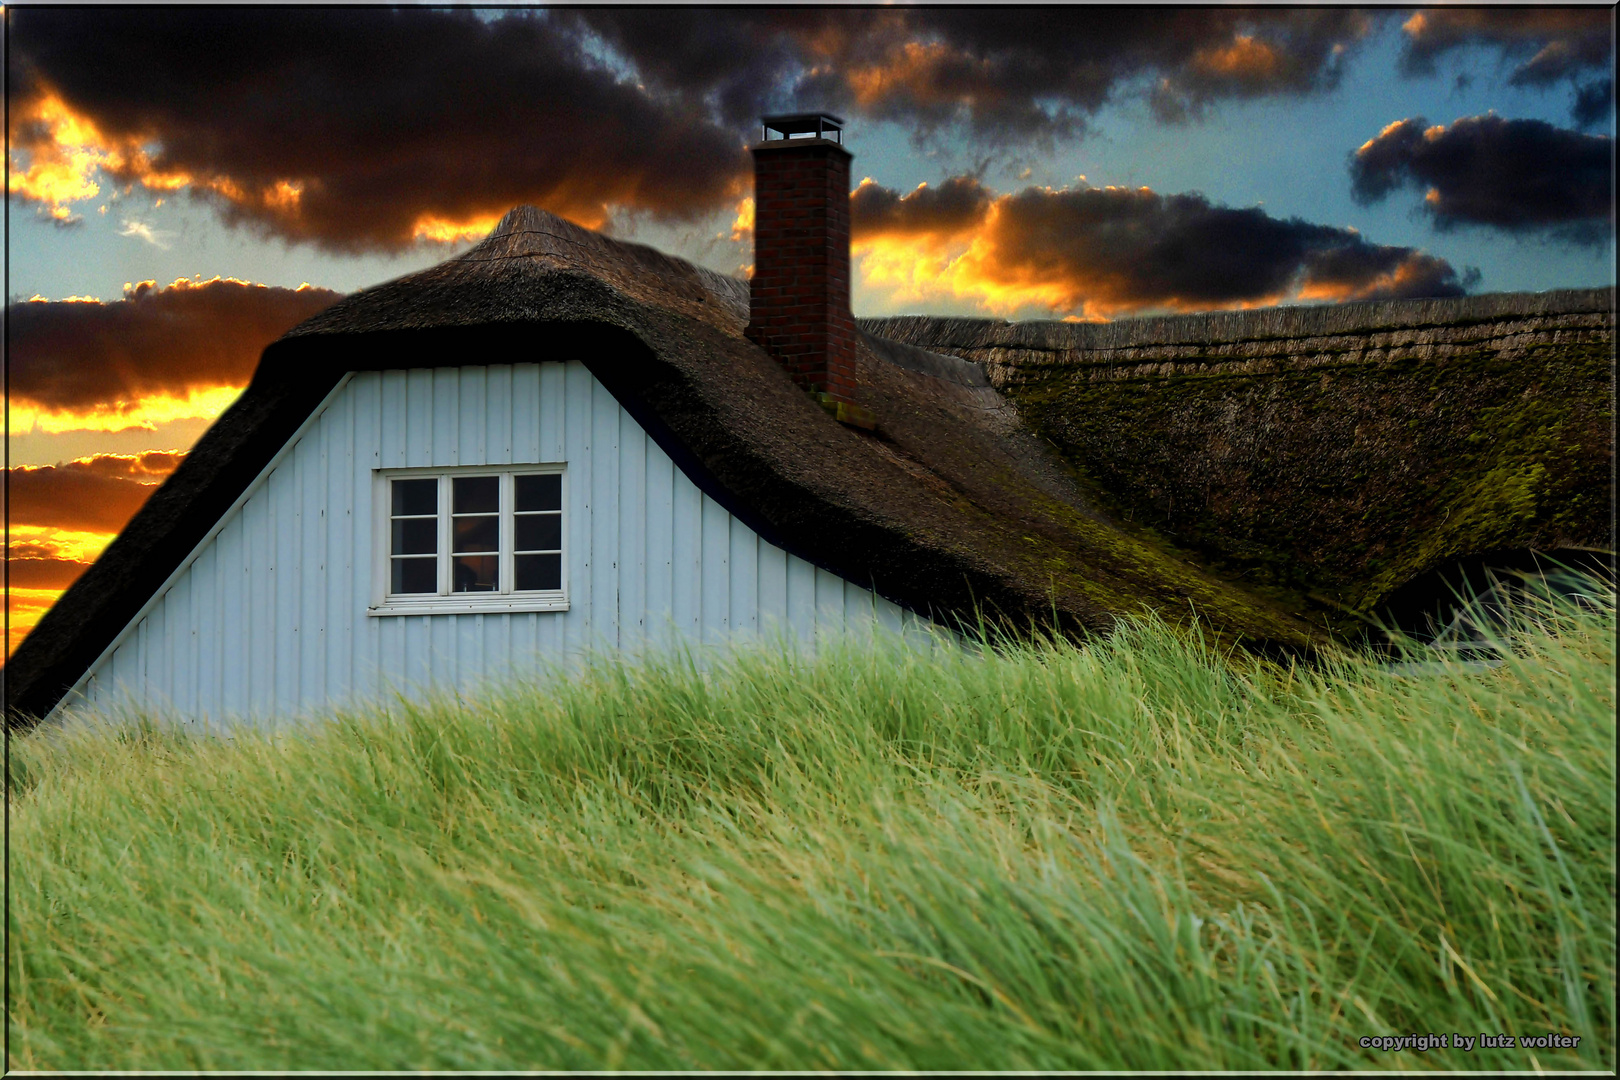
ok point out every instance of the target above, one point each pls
(1326, 485)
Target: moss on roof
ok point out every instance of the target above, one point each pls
(1325, 456)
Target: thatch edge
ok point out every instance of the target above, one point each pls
(1230, 327)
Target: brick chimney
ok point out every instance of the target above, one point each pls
(799, 296)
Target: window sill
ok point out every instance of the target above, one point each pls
(494, 605)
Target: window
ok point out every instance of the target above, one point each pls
(469, 540)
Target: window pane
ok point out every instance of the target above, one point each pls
(539, 492)
(539, 532)
(473, 573)
(477, 494)
(538, 572)
(476, 534)
(416, 536)
(416, 496)
(415, 576)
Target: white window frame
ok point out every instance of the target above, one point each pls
(447, 602)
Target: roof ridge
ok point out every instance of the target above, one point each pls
(527, 219)
(1206, 327)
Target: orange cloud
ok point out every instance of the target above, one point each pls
(914, 69)
(145, 412)
(1090, 253)
(742, 227)
(438, 230)
(1244, 58)
(1374, 273)
(931, 214)
(63, 156)
(63, 151)
(43, 573)
(24, 608)
(379, 156)
(63, 516)
(94, 496)
(161, 353)
(1575, 35)
(65, 544)
(1008, 73)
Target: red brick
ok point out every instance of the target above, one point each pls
(800, 289)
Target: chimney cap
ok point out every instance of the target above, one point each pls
(819, 124)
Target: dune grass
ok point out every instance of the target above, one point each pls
(1137, 855)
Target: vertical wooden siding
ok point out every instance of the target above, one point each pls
(269, 620)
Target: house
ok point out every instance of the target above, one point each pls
(558, 441)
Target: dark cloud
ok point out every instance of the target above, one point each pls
(1593, 103)
(1349, 268)
(956, 205)
(83, 355)
(147, 467)
(1548, 46)
(364, 128)
(96, 494)
(1139, 248)
(1103, 251)
(43, 573)
(351, 127)
(31, 549)
(1551, 43)
(1516, 175)
(1006, 72)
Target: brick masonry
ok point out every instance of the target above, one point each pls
(799, 307)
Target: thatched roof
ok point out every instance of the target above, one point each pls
(1337, 332)
(950, 508)
(1076, 340)
(1328, 454)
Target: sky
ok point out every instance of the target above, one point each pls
(186, 184)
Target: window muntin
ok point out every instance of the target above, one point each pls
(413, 561)
(537, 532)
(475, 529)
(468, 539)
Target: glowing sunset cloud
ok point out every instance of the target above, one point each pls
(433, 229)
(1242, 58)
(24, 608)
(743, 224)
(1088, 253)
(913, 69)
(1515, 175)
(70, 545)
(67, 554)
(284, 195)
(161, 353)
(62, 518)
(62, 157)
(385, 156)
(65, 150)
(146, 412)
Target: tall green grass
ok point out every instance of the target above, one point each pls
(1137, 855)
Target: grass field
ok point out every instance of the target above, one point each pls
(1139, 855)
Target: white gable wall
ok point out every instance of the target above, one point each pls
(269, 619)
